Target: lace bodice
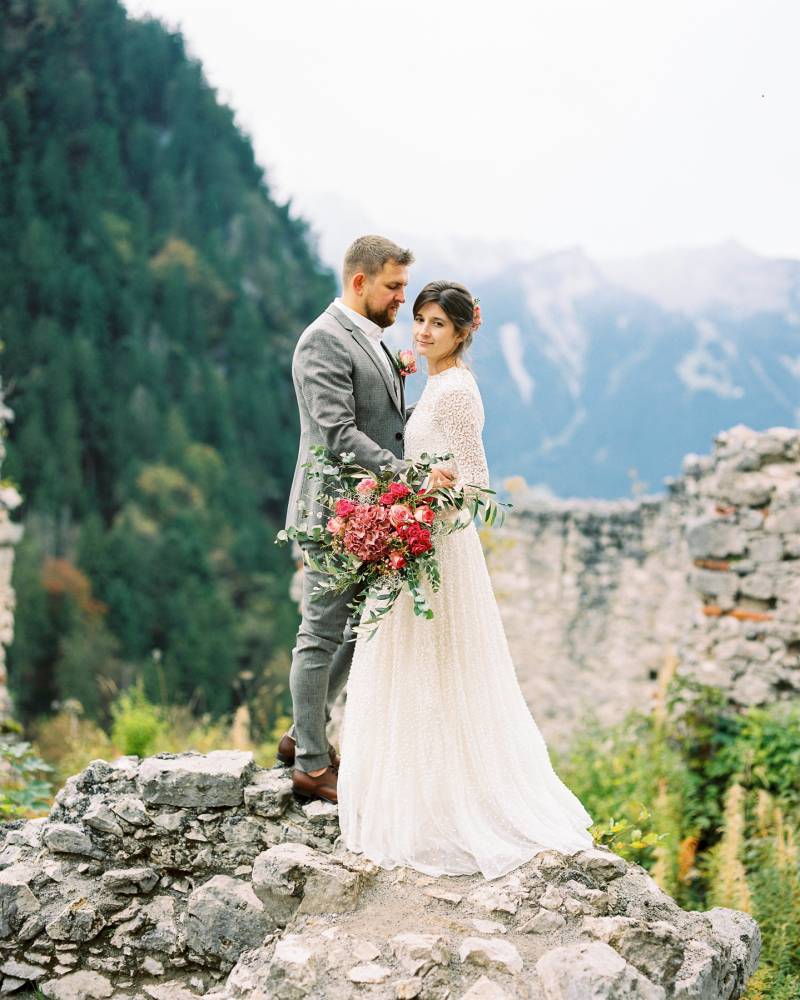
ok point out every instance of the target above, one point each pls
(449, 418)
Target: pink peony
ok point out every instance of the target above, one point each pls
(367, 532)
(335, 525)
(397, 560)
(367, 486)
(424, 515)
(344, 507)
(399, 514)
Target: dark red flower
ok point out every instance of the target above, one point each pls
(344, 507)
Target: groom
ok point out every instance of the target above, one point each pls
(351, 399)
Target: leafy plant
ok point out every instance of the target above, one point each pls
(138, 723)
(24, 791)
(706, 797)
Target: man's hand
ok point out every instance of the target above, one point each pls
(440, 476)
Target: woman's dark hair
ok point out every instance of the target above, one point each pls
(456, 302)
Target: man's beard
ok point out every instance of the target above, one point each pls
(383, 318)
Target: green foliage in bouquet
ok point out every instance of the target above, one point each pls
(380, 530)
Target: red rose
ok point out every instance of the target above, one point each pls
(424, 515)
(387, 499)
(344, 507)
(419, 539)
(396, 560)
(399, 489)
(399, 514)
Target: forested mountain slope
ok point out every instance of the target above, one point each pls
(151, 291)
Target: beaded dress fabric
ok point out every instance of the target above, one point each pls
(443, 768)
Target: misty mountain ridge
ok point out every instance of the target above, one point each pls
(599, 376)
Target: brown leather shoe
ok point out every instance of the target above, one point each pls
(306, 787)
(286, 749)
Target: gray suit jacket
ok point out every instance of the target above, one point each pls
(348, 402)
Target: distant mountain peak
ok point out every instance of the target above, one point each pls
(726, 277)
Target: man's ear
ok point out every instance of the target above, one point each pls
(358, 282)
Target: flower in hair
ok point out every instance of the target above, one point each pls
(476, 314)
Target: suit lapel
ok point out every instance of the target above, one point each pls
(397, 378)
(363, 341)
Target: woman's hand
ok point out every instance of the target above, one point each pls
(440, 477)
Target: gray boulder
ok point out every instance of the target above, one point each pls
(224, 917)
(194, 779)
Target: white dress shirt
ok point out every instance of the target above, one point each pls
(371, 331)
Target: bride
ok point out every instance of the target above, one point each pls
(443, 768)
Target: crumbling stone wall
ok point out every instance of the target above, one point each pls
(599, 597)
(744, 541)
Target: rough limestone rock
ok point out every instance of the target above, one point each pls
(485, 989)
(78, 986)
(493, 952)
(418, 953)
(292, 876)
(258, 899)
(706, 575)
(206, 780)
(17, 903)
(655, 949)
(593, 971)
(223, 917)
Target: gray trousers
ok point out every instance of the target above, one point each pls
(321, 661)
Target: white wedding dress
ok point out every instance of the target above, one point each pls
(443, 768)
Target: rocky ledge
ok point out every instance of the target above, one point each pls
(198, 875)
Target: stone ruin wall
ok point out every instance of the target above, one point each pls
(602, 600)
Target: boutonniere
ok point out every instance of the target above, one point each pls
(405, 362)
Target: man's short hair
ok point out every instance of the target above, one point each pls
(368, 254)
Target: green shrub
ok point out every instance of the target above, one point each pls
(138, 724)
(24, 792)
(630, 780)
(707, 798)
(771, 858)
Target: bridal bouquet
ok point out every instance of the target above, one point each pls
(381, 531)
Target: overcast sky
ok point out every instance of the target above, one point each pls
(623, 127)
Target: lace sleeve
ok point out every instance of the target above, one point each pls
(459, 413)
